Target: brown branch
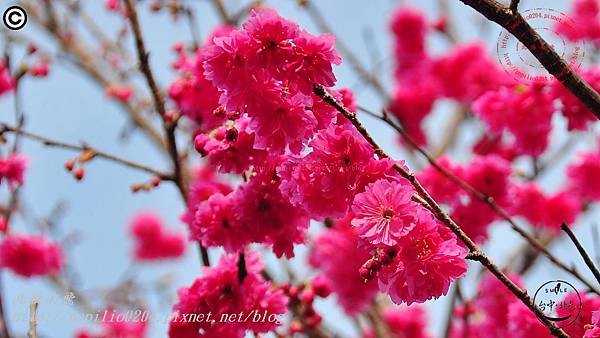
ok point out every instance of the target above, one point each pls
(220, 6)
(159, 103)
(476, 253)
(488, 200)
(83, 148)
(586, 257)
(241, 266)
(514, 5)
(513, 22)
(157, 95)
(378, 323)
(32, 333)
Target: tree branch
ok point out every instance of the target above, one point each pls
(159, 103)
(98, 153)
(514, 5)
(543, 52)
(476, 253)
(586, 258)
(489, 201)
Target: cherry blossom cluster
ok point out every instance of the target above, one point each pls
(493, 176)
(584, 23)
(25, 255)
(518, 116)
(152, 240)
(303, 161)
(422, 78)
(221, 291)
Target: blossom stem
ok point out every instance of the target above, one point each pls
(586, 257)
(476, 253)
(536, 244)
(511, 20)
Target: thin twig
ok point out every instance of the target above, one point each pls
(513, 22)
(32, 333)
(378, 323)
(220, 6)
(451, 307)
(488, 200)
(90, 65)
(83, 148)
(586, 257)
(476, 253)
(157, 95)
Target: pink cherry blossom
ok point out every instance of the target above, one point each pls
(30, 256)
(337, 255)
(205, 183)
(522, 323)
(584, 23)
(467, 72)
(428, 260)
(438, 185)
(219, 291)
(525, 112)
(411, 104)
(409, 27)
(153, 241)
(339, 166)
(589, 303)
(594, 331)
(402, 322)
(12, 169)
(231, 149)
(489, 175)
(584, 176)
(577, 114)
(216, 225)
(385, 212)
(312, 61)
(7, 83)
(268, 216)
